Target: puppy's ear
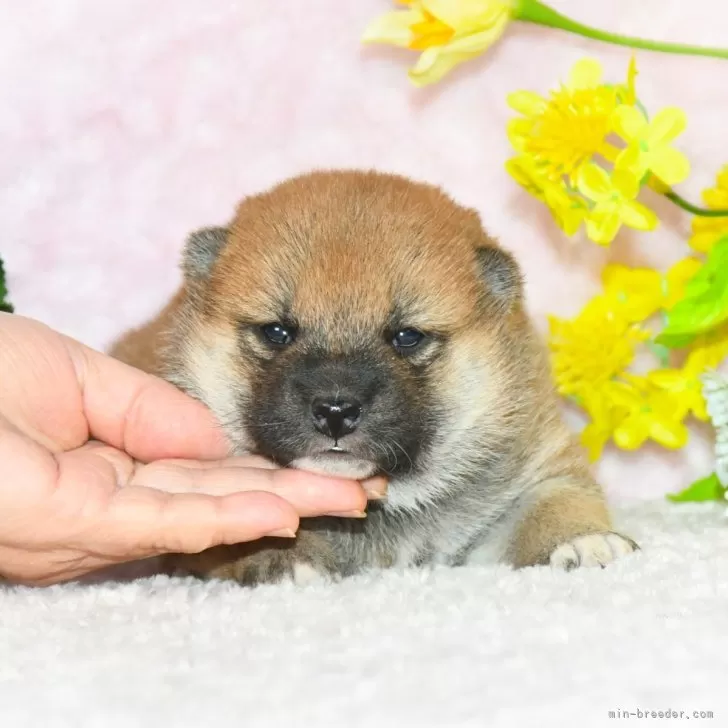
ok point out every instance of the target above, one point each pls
(501, 275)
(201, 251)
(498, 270)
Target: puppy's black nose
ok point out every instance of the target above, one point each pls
(335, 418)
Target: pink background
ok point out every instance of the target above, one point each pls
(126, 124)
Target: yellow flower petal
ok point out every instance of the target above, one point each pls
(716, 198)
(631, 160)
(393, 28)
(468, 14)
(518, 131)
(436, 62)
(721, 179)
(567, 209)
(432, 65)
(430, 33)
(706, 232)
(708, 352)
(667, 124)
(669, 433)
(594, 182)
(637, 292)
(631, 95)
(523, 173)
(568, 217)
(593, 438)
(637, 216)
(585, 74)
(685, 390)
(632, 433)
(601, 227)
(670, 165)
(628, 122)
(631, 281)
(655, 414)
(677, 277)
(670, 379)
(526, 102)
(626, 183)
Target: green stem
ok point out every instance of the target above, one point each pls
(534, 11)
(689, 207)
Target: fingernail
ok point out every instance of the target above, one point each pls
(376, 488)
(283, 533)
(349, 514)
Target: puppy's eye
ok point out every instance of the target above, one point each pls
(407, 339)
(278, 334)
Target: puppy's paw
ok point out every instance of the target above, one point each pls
(304, 574)
(594, 549)
(268, 561)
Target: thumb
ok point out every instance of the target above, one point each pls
(143, 415)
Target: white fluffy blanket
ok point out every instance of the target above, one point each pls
(453, 648)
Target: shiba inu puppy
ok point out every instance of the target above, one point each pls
(357, 323)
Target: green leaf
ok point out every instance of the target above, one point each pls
(705, 489)
(705, 305)
(4, 303)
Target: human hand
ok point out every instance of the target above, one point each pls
(102, 464)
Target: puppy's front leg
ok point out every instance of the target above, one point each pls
(568, 525)
(306, 558)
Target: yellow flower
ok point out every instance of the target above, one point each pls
(653, 414)
(684, 384)
(448, 33)
(615, 203)
(717, 197)
(631, 411)
(677, 278)
(627, 93)
(707, 230)
(557, 138)
(637, 293)
(685, 389)
(648, 143)
(605, 418)
(591, 355)
(708, 351)
(564, 131)
(591, 349)
(567, 208)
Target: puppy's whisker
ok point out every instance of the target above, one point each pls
(406, 454)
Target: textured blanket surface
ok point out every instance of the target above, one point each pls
(480, 647)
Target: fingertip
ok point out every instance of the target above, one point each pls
(349, 493)
(376, 487)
